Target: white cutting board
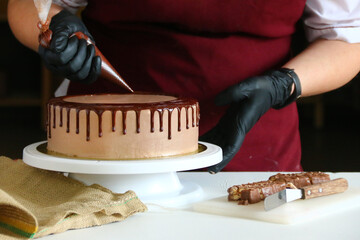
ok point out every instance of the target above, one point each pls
(292, 212)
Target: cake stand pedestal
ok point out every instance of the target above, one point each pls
(153, 180)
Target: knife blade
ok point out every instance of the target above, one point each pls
(338, 185)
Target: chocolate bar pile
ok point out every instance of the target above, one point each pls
(255, 192)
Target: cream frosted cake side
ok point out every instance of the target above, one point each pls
(122, 126)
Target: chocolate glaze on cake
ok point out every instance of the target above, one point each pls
(99, 109)
(187, 116)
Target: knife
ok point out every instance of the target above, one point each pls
(338, 185)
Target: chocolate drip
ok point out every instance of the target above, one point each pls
(187, 117)
(137, 121)
(99, 109)
(179, 119)
(77, 121)
(152, 127)
(113, 116)
(67, 120)
(161, 117)
(99, 114)
(197, 114)
(124, 121)
(54, 117)
(87, 125)
(49, 121)
(61, 117)
(169, 122)
(193, 116)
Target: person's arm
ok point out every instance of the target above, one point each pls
(323, 66)
(326, 65)
(329, 62)
(66, 55)
(23, 19)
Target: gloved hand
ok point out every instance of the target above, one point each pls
(249, 100)
(70, 57)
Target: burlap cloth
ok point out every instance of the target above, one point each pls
(35, 203)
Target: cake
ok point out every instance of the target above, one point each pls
(122, 126)
(258, 191)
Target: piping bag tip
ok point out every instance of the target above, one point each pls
(128, 87)
(107, 70)
(45, 36)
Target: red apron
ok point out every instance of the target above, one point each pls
(199, 48)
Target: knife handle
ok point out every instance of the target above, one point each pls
(338, 185)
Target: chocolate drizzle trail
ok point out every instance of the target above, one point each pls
(99, 109)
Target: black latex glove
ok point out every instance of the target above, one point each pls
(249, 100)
(71, 57)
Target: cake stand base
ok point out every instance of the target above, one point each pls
(153, 180)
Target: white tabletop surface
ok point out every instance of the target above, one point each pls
(184, 223)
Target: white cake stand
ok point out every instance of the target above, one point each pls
(153, 180)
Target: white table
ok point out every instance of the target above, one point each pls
(172, 224)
